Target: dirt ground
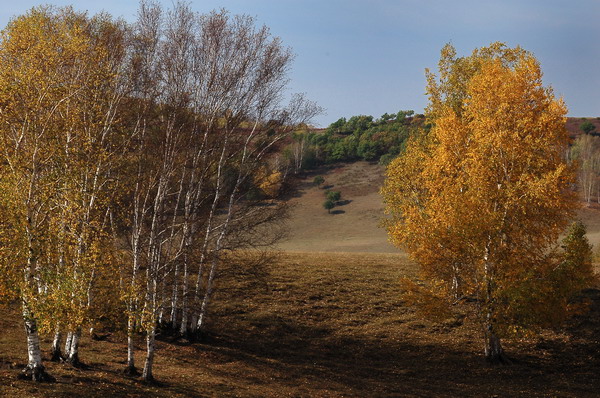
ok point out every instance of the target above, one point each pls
(321, 325)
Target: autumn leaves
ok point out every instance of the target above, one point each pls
(480, 199)
(132, 157)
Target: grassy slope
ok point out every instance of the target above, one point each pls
(326, 325)
(353, 226)
(573, 124)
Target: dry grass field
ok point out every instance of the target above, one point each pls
(325, 319)
(323, 325)
(354, 226)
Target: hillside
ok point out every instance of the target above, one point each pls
(355, 226)
(573, 124)
(328, 324)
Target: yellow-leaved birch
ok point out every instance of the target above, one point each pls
(479, 201)
(56, 113)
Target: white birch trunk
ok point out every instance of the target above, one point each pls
(56, 341)
(209, 228)
(206, 299)
(68, 341)
(174, 298)
(492, 348)
(34, 354)
(194, 323)
(219, 242)
(130, 369)
(35, 368)
(150, 339)
(183, 327)
(73, 353)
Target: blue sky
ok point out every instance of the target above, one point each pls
(368, 56)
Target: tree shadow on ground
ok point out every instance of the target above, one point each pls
(336, 333)
(357, 366)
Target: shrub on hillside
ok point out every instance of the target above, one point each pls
(329, 204)
(334, 196)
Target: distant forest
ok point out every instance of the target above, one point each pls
(357, 138)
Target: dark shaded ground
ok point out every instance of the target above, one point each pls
(326, 325)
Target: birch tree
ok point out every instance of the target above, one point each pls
(205, 85)
(93, 153)
(57, 109)
(148, 139)
(481, 199)
(151, 167)
(586, 151)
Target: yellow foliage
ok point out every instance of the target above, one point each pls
(431, 300)
(269, 181)
(57, 97)
(481, 198)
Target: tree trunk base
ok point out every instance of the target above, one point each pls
(150, 380)
(131, 370)
(498, 359)
(494, 353)
(184, 337)
(36, 373)
(75, 362)
(56, 356)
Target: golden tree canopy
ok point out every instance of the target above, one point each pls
(479, 201)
